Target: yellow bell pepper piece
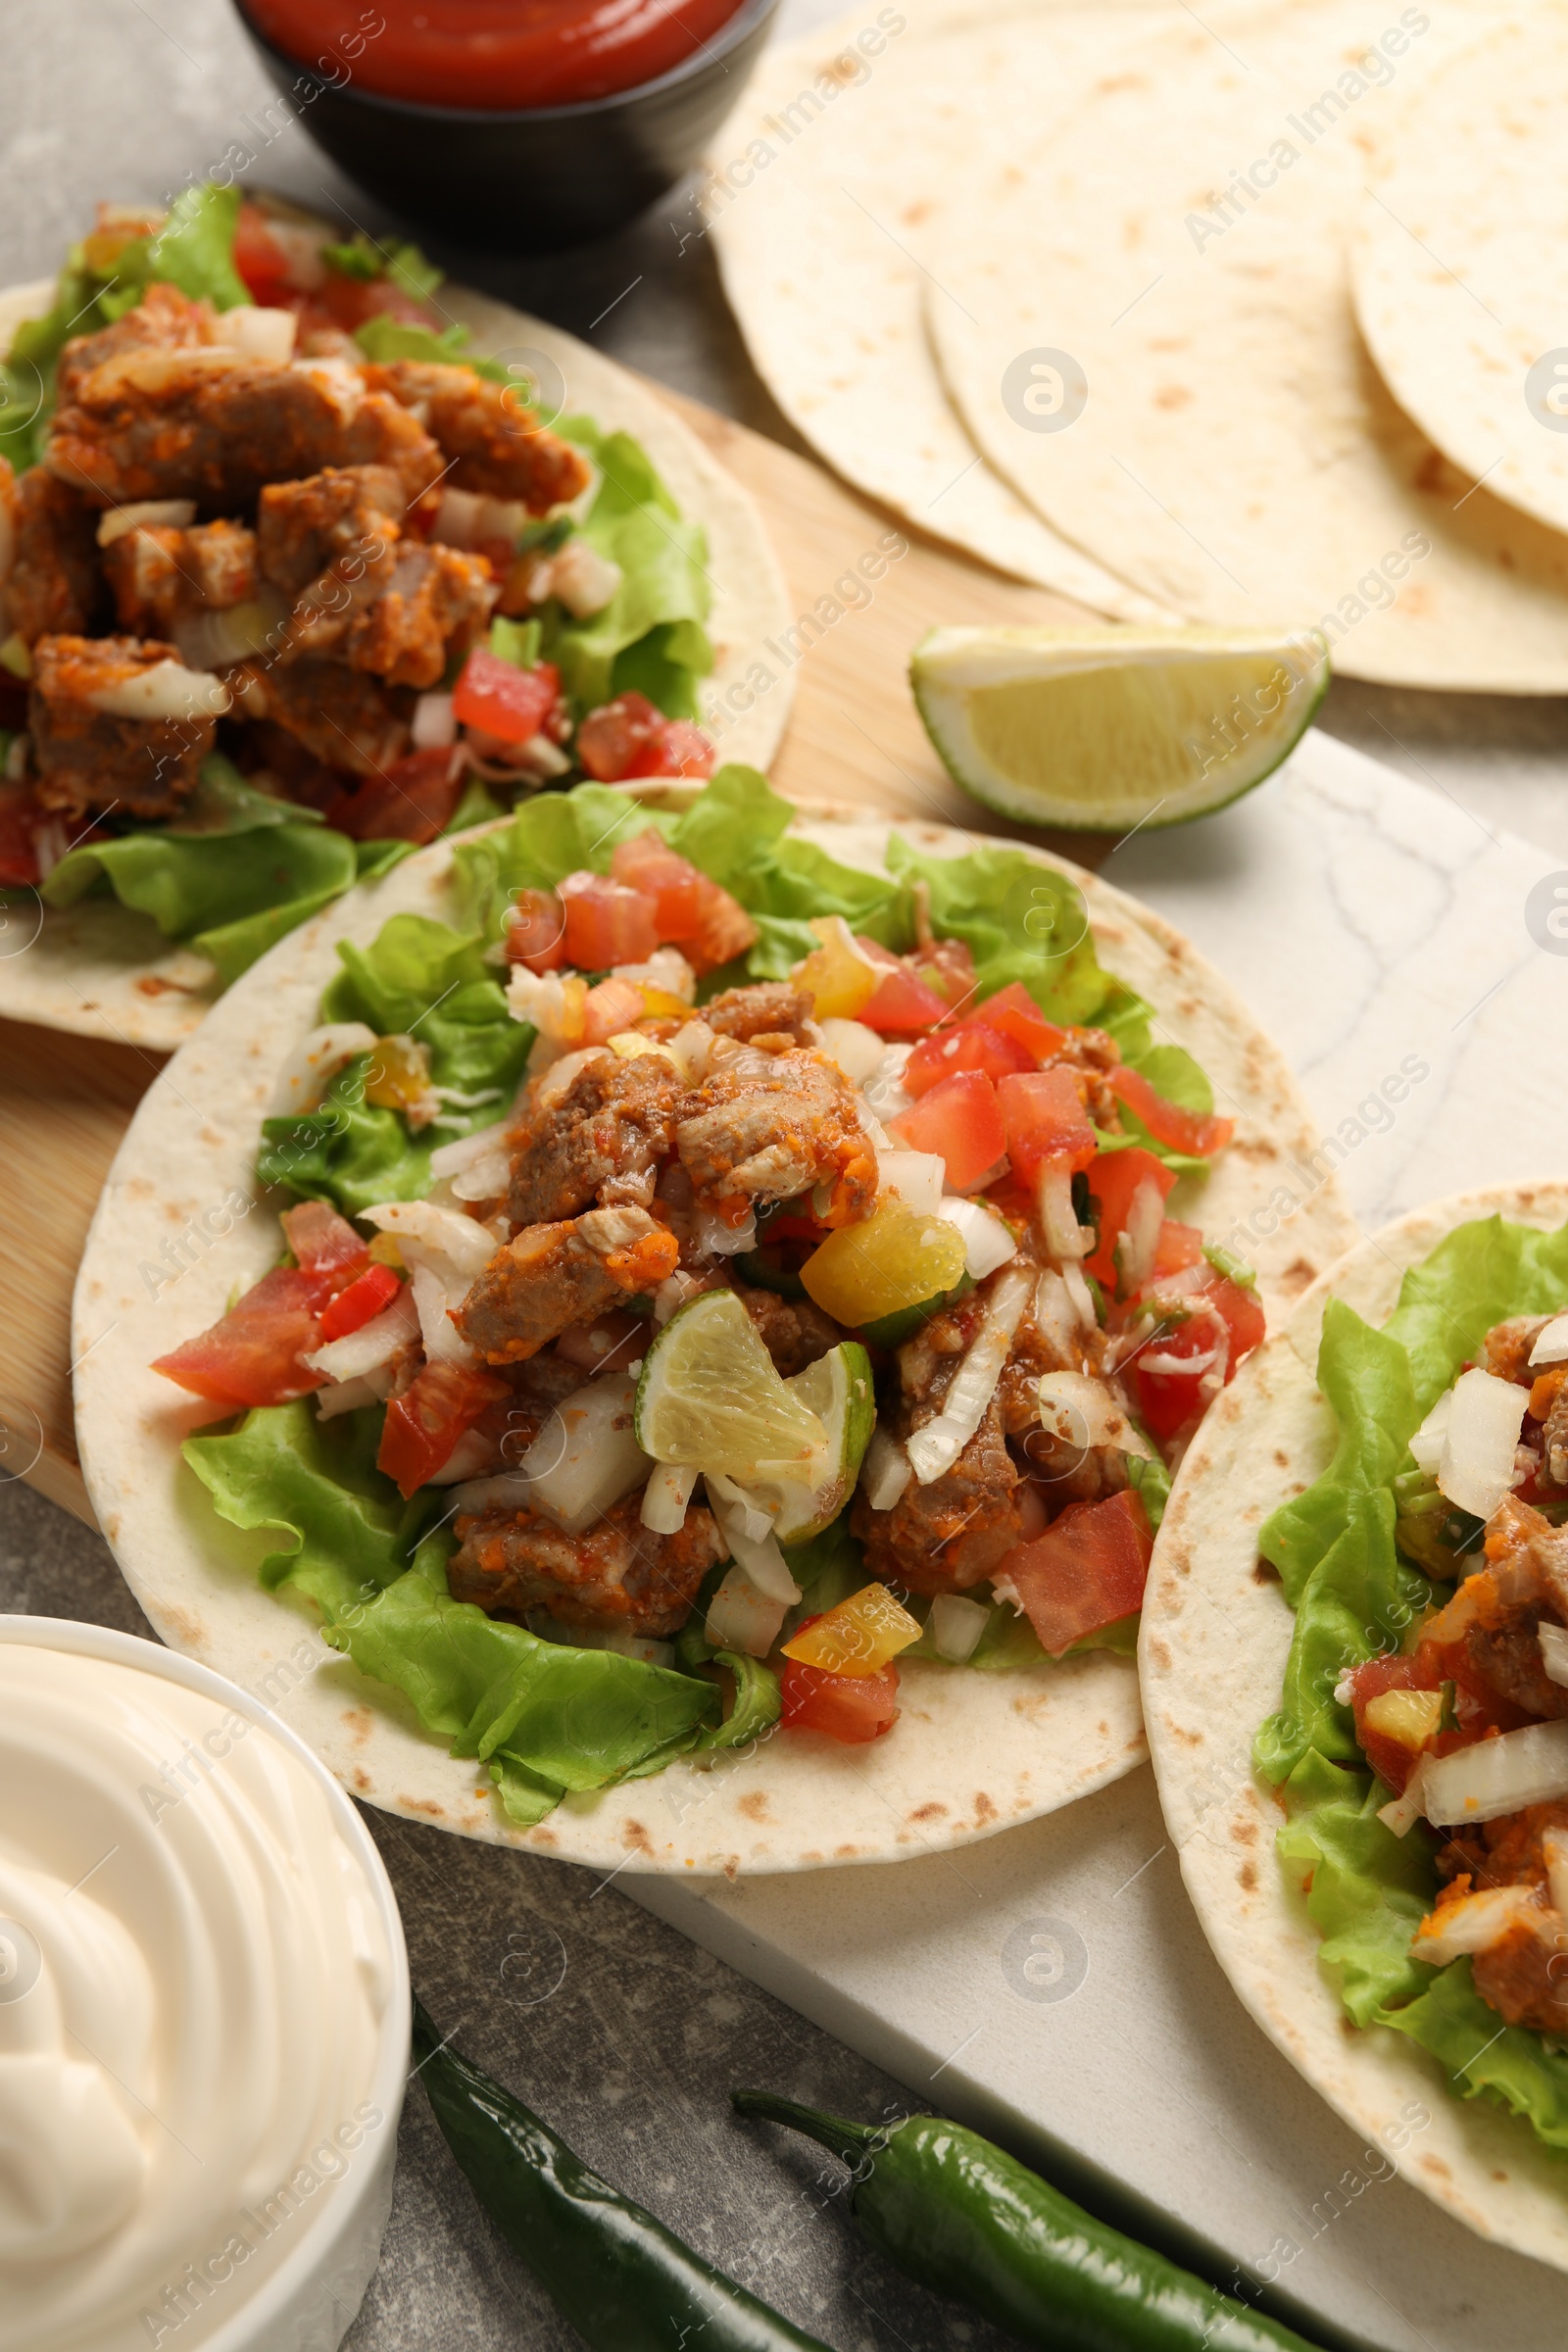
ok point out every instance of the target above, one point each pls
(662, 1005)
(400, 1076)
(838, 974)
(899, 1258)
(858, 1637)
(631, 1043)
(1410, 1717)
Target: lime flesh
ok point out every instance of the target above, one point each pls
(709, 1397)
(838, 1390)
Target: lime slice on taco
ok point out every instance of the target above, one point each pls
(709, 1397)
(1099, 729)
(838, 1390)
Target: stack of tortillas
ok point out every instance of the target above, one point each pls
(1251, 321)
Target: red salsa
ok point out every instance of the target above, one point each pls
(497, 54)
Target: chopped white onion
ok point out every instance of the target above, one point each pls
(1426, 1446)
(347, 1395)
(935, 1448)
(693, 1048)
(164, 691)
(1140, 1237)
(217, 640)
(1554, 1847)
(442, 1237)
(956, 1625)
(1082, 1411)
(258, 332)
(917, 1177)
(1551, 1343)
(450, 1159)
(1082, 1297)
(146, 514)
(1477, 1467)
(665, 968)
(586, 1456)
(743, 1617)
(1528, 1766)
(467, 1460)
(752, 1521)
(375, 1342)
(1401, 1813)
(1066, 1238)
(665, 1497)
(1553, 1640)
(857, 1050)
(1472, 1923)
(713, 1237)
(764, 1562)
(507, 1491)
(434, 723)
(885, 1090)
(584, 580)
(316, 1062)
(435, 1294)
(886, 1470)
(1057, 1318)
(987, 1243)
(674, 1292)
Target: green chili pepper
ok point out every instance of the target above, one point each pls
(964, 2218)
(624, 2282)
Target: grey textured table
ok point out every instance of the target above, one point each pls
(627, 2035)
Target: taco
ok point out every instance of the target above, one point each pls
(737, 1302)
(307, 557)
(1370, 1538)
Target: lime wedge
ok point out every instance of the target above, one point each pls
(709, 1397)
(838, 1390)
(1100, 728)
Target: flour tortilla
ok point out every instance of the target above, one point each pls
(821, 252)
(102, 971)
(1211, 1658)
(1239, 459)
(1456, 263)
(971, 1753)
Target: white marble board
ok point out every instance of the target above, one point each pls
(1053, 1986)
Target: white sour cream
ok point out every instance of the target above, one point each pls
(193, 1973)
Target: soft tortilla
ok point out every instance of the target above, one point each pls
(1239, 459)
(1456, 263)
(972, 1753)
(102, 971)
(1212, 1655)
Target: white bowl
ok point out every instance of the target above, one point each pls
(308, 2301)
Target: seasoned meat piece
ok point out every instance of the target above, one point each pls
(1554, 1439)
(1527, 1565)
(165, 320)
(216, 428)
(1514, 1977)
(769, 1126)
(552, 1276)
(347, 719)
(53, 588)
(430, 611)
(954, 1532)
(619, 1575)
(345, 512)
(1507, 1347)
(795, 1333)
(91, 757)
(614, 1123)
(1509, 1657)
(493, 438)
(772, 1013)
(927, 1362)
(160, 576)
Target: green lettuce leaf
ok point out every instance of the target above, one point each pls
(197, 882)
(1354, 1596)
(387, 339)
(543, 1718)
(651, 634)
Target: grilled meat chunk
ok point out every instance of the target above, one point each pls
(770, 1014)
(343, 514)
(613, 1126)
(551, 1276)
(160, 576)
(217, 428)
(429, 612)
(1507, 1347)
(165, 320)
(347, 719)
(53, 588)
(495, 442)
(619, 1575)
(949, 1535)
(91, 757)
(1515, 1977)
(795, 1333)
(769, 1126)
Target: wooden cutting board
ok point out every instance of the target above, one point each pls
(65, 1101)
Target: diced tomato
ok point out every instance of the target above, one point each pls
(364, 1299)
(948, 966)
(1180, 1246)
(1086, 1572)
(606, 922)
(536, 930)
(902, 1004)
(413, 800)
(1244, 1316)
(252, 1355)
(350, 302)
(851, 1707)
(962, 1120)
(1045, 1120)
(262, 261)
(19, 856)
(1479, 1705)
(1390, 1759)
(503, 701)
(1177, 1129)
(608, 1008)
(1115, 1178)
(1014, 1011)
(1168, 1401)
(971, 1045)
(630, 737)
(675, 888)
(325, 1245)
(423, 1426)
(727, 931)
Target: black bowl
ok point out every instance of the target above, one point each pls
(532, 180)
